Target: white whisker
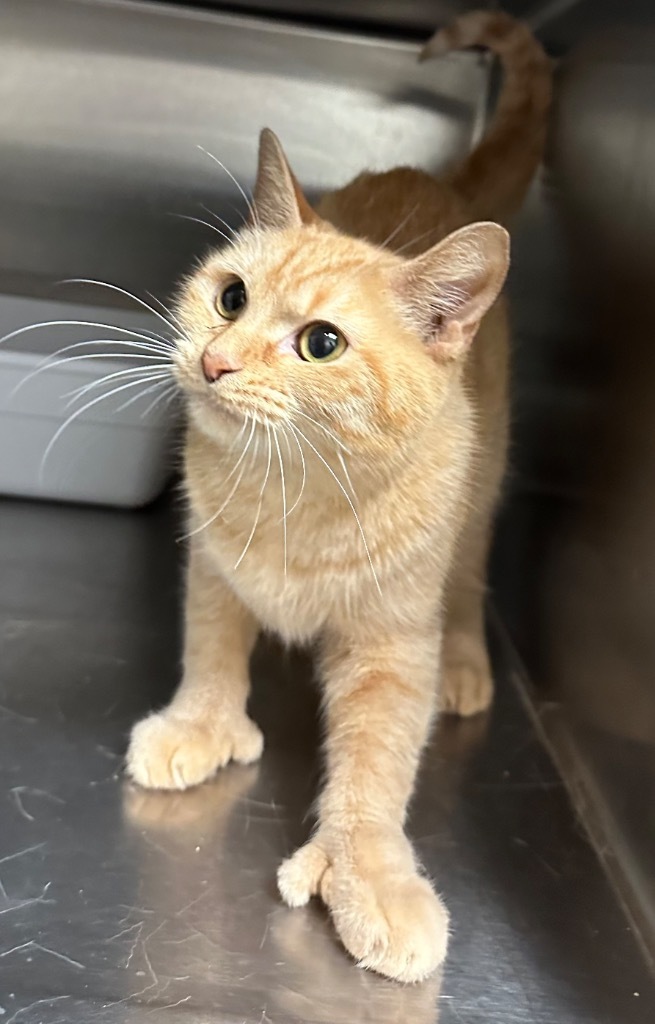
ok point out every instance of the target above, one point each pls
(260, 500)
(205, 223)
(348, 499)
(107, 356)
(255, 450)
(121, 291)
(238, 437)
(220, 220)
(51, 362)
(147, 345)
(79, 412)
(284, 497)
(146, 374)
(168, 311)
(347, 476)
(169, 393)
(398, 229)
(141, 394)
(418, 238)
(324, 429)
(215, 516)
(286, 441)
(304, 474)
(238, 212)
(85, 323)
(249, 203)
(243, 453)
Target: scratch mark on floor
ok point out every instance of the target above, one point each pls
(107, 752)
(39, 1002)
(157, 846)
(21, 853)
(170, 1006)
(43, 949)
(542, 860)
(126, 931)
(134, 944)
(133, 910)
(21, 904)
(16, 796)
(10, 713)
(183, 910)
(155, 981)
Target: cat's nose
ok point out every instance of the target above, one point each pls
(214, 365)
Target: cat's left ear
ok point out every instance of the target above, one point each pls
(279, 201)
(446, 291)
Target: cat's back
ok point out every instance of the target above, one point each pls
(404, 209)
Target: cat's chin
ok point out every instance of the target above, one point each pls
(216, 421)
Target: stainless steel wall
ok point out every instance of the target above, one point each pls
(421, 15)
(103, 106)
(575, 565)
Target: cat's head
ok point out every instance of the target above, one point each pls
(298, 325)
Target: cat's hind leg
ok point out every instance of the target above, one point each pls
(466, 680)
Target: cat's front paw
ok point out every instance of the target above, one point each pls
(467, 684)
(387, 915)
(169, 751)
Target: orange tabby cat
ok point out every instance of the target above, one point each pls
(372, 433)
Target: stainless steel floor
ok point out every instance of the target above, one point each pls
(116, 904)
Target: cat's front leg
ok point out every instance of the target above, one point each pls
(206, 724)
(379, 700)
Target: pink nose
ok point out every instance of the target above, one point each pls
(214, 365)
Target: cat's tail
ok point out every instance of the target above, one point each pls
(496, 175)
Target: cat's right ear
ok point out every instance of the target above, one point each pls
(279, 201)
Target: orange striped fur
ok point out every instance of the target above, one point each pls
(349, 504)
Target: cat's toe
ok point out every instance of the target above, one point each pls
(396, 928)
(388, 916)
(167, 751)
(467, 684)
(242, 741)
(467, 689)
(300, 876)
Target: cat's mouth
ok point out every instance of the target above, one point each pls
(237, 408)
(207, 397)
(226, 398)
(210, 402)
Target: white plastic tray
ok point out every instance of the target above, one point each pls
(117, 452)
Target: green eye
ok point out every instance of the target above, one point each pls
(321, 343)
(232, 299)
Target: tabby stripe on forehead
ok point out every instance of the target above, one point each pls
(306, 276)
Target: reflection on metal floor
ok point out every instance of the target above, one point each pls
(116, 904)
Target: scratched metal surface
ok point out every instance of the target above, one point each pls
(118, 905)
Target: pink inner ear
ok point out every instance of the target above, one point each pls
(436, 321)
(450, 342)
(450, 306)
(452, 299)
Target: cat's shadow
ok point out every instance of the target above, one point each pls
(285, 700)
